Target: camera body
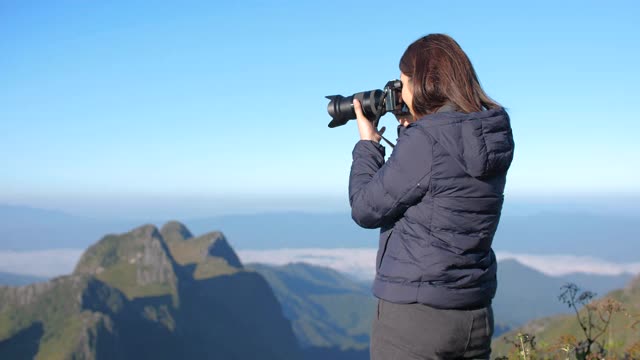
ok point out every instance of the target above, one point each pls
(375, 103)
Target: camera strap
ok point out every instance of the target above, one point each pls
(377, 119)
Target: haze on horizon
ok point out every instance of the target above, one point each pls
(163, 208)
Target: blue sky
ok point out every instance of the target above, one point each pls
(128, 104)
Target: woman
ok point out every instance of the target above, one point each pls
(437, 201)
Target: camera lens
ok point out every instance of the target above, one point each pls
(341, 108)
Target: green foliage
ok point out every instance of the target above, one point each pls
(604, 328)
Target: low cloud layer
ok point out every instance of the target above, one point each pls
(361, 262)
(558, 265)
(45, 263)
(357, 262)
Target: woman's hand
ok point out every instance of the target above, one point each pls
(405, 119)
(367, 131)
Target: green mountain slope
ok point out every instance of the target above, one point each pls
(514, 307)
(326, 308)
(525, 294)
(137, 263)
(47, 320)
(148, 294)
(622, 334)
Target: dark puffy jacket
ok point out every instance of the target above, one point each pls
(437, 200)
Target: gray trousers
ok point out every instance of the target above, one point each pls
(417, 331)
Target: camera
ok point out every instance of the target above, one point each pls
(375, 103)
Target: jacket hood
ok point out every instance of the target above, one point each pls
(480, 142)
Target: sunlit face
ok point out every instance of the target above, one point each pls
(407, 98)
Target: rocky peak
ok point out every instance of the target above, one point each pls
(137, 295)
(205, 248)
(29, 294)
(175, 231)
(146, 232)
(146, 262)
(220, 248)
(137, 262)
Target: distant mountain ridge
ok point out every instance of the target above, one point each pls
(18, 279)
(610, 237)
(158, 281)
(148, 293)
(326, 308)
(25, 228)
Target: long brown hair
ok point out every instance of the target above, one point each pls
(441, 72)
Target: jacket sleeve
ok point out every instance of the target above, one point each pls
(381, 192)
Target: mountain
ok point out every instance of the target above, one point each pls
(25, 228)
(290, 230)
(525, 294)
(604, 236)
(148, 293)
(610, 237)
(607, 236)
(327, 309)
(330, 311)
(599, 284)
(18, 279)
(622, 335)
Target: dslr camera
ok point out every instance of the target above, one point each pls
(375, 103)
